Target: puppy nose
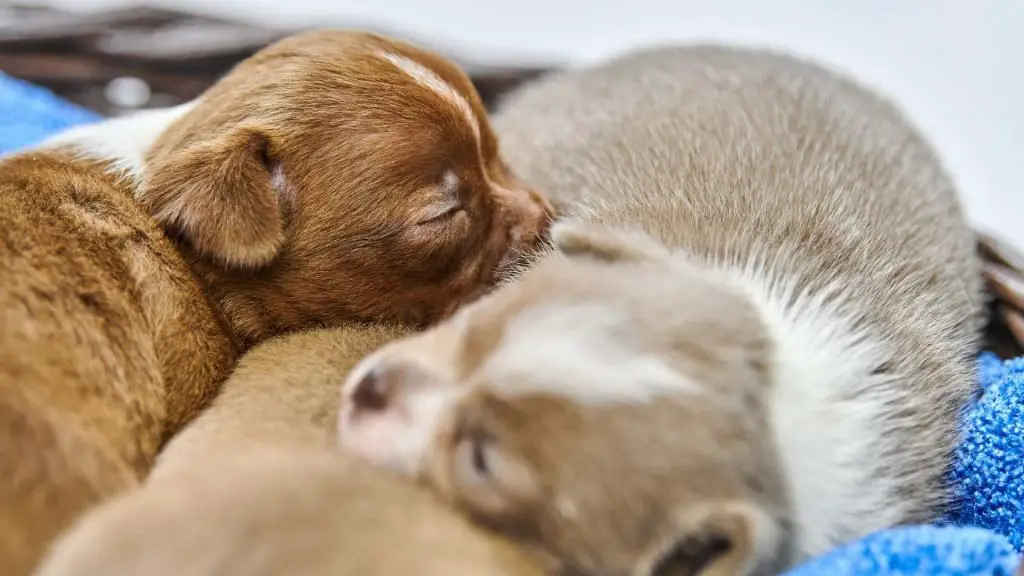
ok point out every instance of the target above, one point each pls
(372, 391)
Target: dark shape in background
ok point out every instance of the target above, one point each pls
(121, 60)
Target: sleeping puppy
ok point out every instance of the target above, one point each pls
(334, 177)
(752, 341)
(252, 487)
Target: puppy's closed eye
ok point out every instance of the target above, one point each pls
(450, 203)
(441, 213)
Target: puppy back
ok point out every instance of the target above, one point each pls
(107, 345)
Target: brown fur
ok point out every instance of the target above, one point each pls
(107, 346)
(114, 337)
(251, 488)
(753, 343)
(363, 149)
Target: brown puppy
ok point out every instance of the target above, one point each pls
(251, 487)
(107, 345)
(333, 177)
(753, 343)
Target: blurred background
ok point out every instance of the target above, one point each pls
(954, 66)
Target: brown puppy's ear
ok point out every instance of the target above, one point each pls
(722, 539)
(604, 244)
(219, 195)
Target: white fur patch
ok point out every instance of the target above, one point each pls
(427, 77)
(123, 140)
(824, 431)
(581, 352)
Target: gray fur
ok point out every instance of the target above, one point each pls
(731, 155)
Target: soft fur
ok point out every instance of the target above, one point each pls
(279, 512)
(107, 345)
(325, 181)
(335, 177)
(753, 343)
(283, 393)
(252, 488)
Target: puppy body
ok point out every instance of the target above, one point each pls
(252, 487)
(282, 394)
(753, 342)
(334, 177)
(276, 512)
(108, 345)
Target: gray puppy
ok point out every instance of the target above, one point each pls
(751, 342)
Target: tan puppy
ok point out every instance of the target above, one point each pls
(279, 512)
(753, 342)
(333, 177)
(283, 393)
(252, 487)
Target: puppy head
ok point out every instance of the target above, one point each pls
(608, 407)
(337, 176)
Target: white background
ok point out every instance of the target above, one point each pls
(956, 66)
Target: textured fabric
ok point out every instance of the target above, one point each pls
(918, 551)
(984, 531)
(979, 537)
(30, 113)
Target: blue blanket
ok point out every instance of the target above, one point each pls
(29, 113)
(981, 536)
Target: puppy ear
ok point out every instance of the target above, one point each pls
(604, 244)
(721, 539)
(219, 194)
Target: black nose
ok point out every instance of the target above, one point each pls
(371, 393)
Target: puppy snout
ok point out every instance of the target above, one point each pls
(529, 214)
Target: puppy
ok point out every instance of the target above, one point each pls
(282, 394)
(751, 343)
(255, 471)
(334, 177)
(278, 512)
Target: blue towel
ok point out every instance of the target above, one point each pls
(984, 532)
(30, 113)
(980, 537)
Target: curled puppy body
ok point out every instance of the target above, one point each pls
(252, 487)
(333, 177)
(276, 511)
(752, 343)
